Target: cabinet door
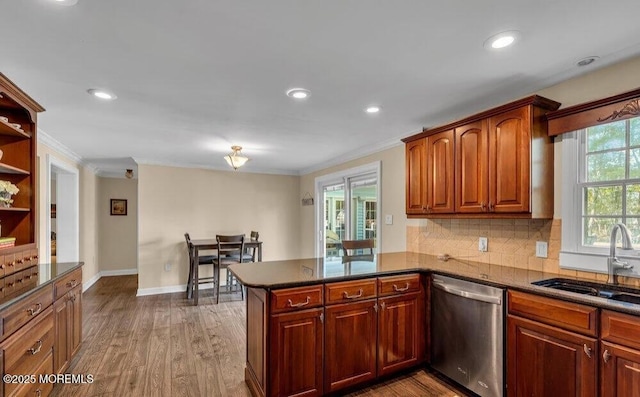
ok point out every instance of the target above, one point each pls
(75, 320)
(61, 335)
(350, 344)
(416, 169)
(401, 336)
(440, 172)
(296, 362)
(509, 146)
(472, 162)
(547, 361)
(619, 371)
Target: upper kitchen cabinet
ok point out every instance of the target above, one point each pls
(18, 143)
(495, 164)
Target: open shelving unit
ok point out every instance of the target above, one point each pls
(18, 165)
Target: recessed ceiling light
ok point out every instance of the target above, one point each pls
(373, 109)
(298, 93)
(66, 2)
(102, 94)
(587, 61)
(502, 40)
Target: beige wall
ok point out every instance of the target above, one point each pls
(118, 235)
(204, 203)
(392, 237)
(512, 242)
(87, 181)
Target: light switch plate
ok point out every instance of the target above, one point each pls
(388, 219)
(541, 249)
(483, 244)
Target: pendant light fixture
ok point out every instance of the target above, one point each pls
(236, 159)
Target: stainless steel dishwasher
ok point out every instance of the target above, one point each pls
(467, 334)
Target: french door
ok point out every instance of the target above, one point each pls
(348, 208)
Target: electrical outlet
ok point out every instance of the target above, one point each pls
(483, 244)
(541, 249)
(388, 219)
(167, 267)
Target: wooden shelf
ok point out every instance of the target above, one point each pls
(8, 129)
(9, 169)
(15, 209)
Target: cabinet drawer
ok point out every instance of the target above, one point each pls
(394, 285)
(19, 314)
(623, 329)
(45, 368)
(349, 291)
(24, 352)
(296, 298)
(567, 315)
(66, 284)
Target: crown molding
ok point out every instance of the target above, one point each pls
(214, 168)
(56, 145)
(354, 155)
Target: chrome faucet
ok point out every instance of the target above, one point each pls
(613, 264)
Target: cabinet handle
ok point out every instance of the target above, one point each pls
(347, 296)
(33, 312)
(491, 207)
(36, 350)
(322, 317)
(483, 206)
(375, 307)
(606, 356)
(72, 284)
(291, 304)
(396, 289)
(587, 350)
(11, 263)
(20, 260)
(382, 305)
(38, 393)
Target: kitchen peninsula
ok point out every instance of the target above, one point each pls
(316, 326)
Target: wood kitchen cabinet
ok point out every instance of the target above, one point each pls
(68, 328)
(297, 368)
(620, 357)
(494, 164)
(429, 174)
(546, 356)
(416, 176)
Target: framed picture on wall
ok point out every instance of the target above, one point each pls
(118, 207)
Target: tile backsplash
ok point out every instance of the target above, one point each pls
(512, 242)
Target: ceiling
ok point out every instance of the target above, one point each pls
(195, 77)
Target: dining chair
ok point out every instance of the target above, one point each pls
(249, 254)
(230, 251)
(358, 247)
(202, 260)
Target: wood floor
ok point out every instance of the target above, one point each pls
(161, 345)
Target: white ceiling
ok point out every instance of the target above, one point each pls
(194, 77)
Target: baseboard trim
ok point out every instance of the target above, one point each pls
(107, 273)
(171, 289)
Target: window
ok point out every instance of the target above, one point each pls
(600, 187)
(609, 180)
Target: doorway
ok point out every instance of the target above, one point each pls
(348, 208)
(62, 240)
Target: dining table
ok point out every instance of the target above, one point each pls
(212, 244)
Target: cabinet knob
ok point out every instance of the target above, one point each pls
(606, 356)
(587, 350)
(491, 207)
(483, 206)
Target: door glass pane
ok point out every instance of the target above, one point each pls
(333, 219)
(364, 208)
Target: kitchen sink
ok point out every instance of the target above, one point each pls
(613, 292)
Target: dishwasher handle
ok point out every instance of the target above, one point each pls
(496, 300)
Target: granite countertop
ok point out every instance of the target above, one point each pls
(47, 274)
(298, 272)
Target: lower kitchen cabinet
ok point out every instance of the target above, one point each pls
(620, 357)
(401, 339)
(350, 344)
(296, 370)
(543, 360)
(68, 328)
